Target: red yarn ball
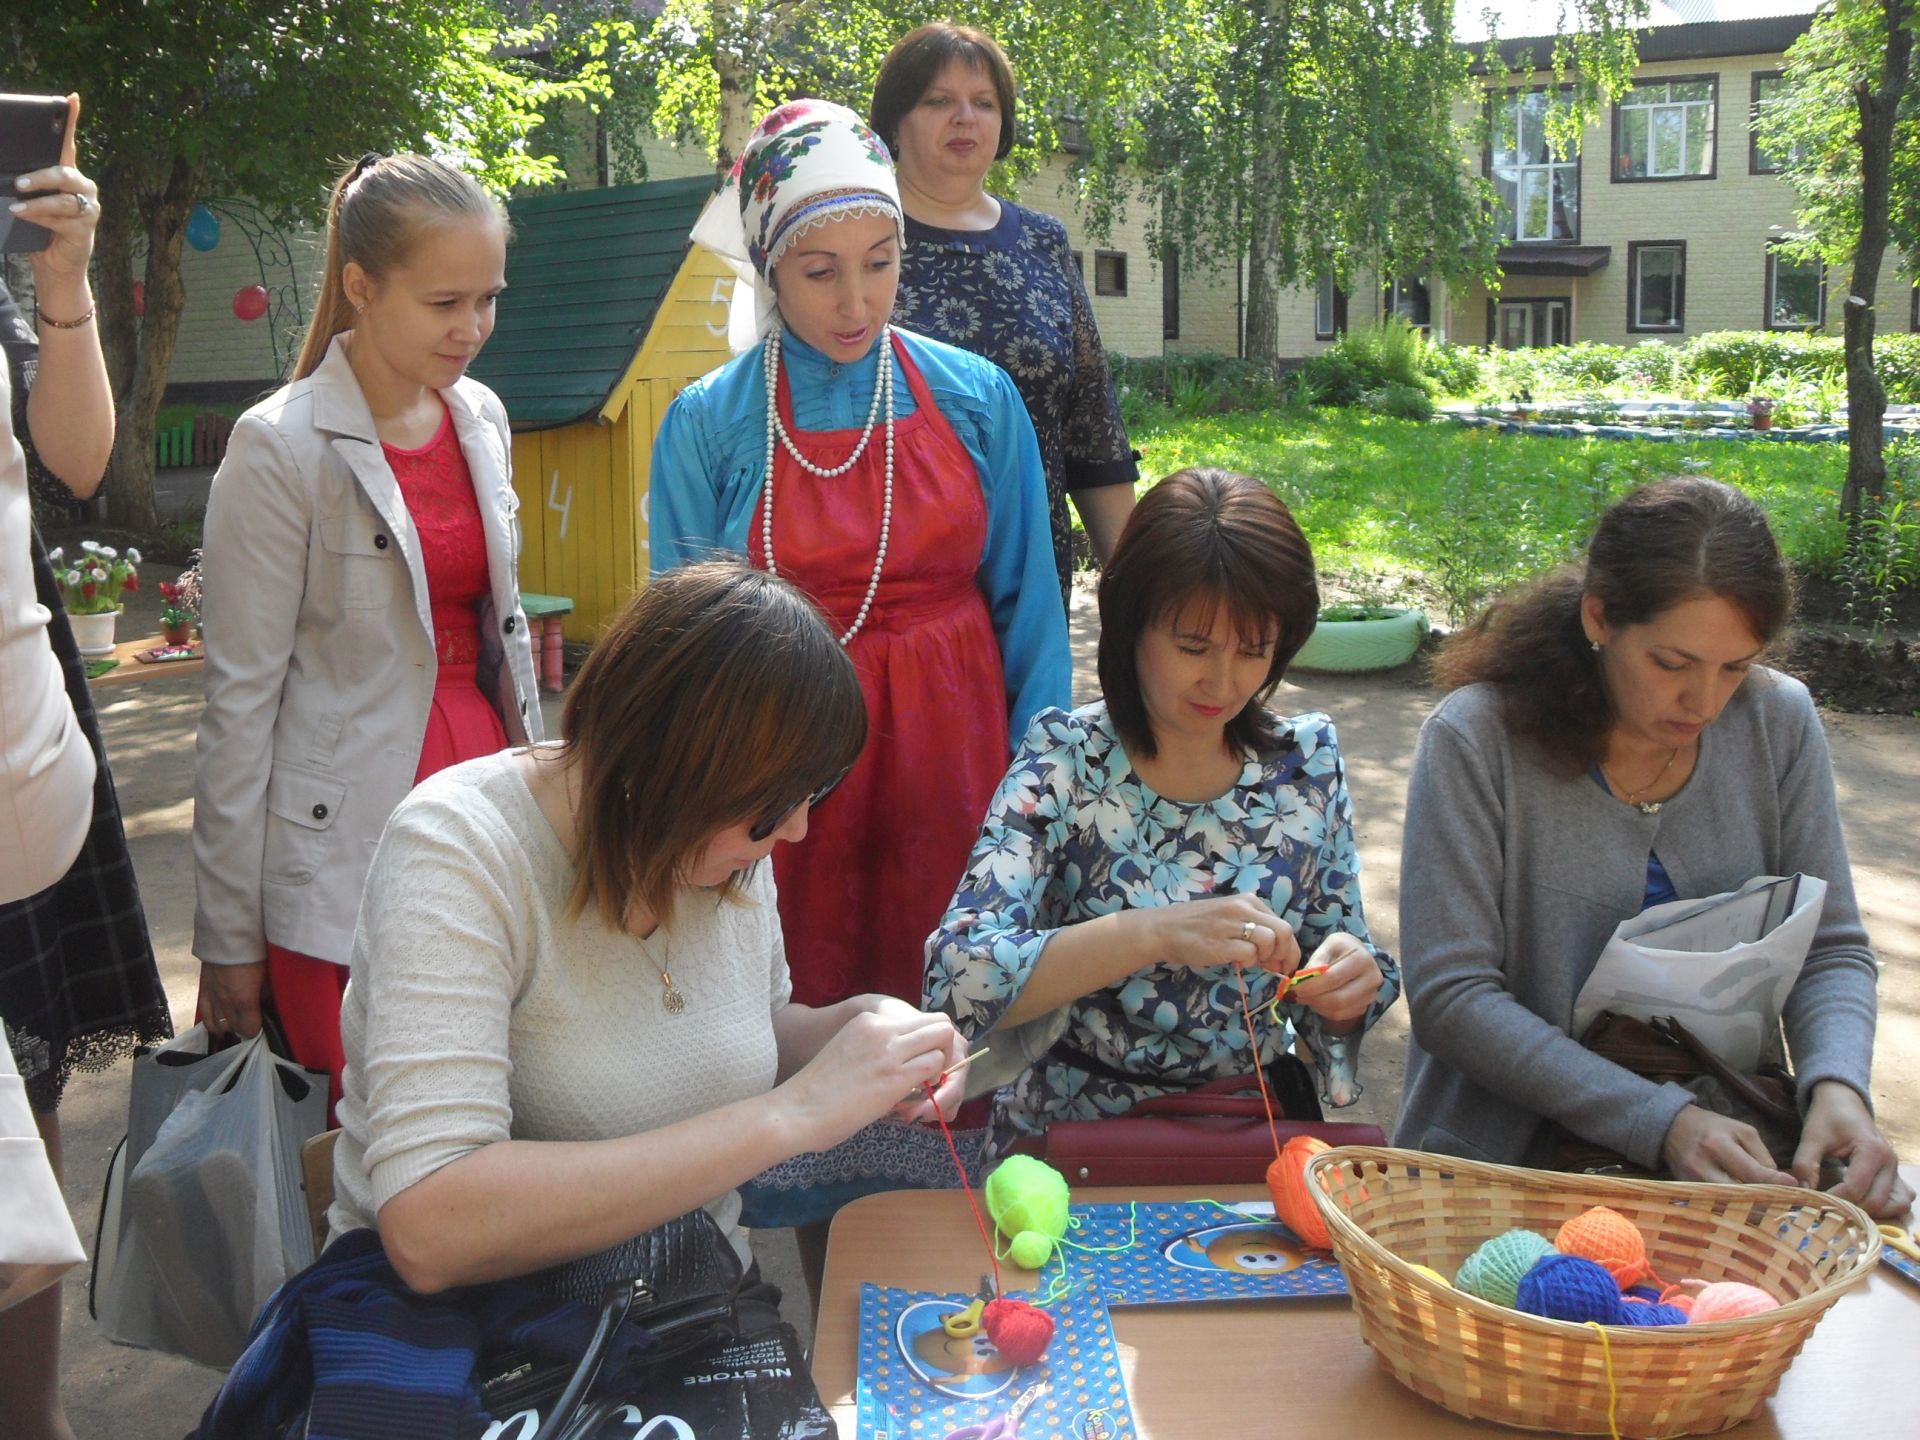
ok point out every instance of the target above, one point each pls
(1018, 1331)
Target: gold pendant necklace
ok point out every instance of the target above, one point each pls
(1632, 797)
(670, 996)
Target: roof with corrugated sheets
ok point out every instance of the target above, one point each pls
(586, 273)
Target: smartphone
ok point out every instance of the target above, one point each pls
(32, 129)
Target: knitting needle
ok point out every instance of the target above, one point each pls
(966, 1060)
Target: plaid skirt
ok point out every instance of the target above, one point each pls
(78, 984)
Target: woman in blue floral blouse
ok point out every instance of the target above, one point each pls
(1144, 847)
(997, 278)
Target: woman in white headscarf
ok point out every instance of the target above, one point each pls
(898, 482)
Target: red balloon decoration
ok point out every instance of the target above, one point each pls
(139, 297)
(250, 302)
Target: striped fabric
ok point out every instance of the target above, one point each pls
(347, 1342)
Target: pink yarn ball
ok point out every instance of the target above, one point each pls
(1730, 1300)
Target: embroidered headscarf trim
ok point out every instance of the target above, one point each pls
(810, 162)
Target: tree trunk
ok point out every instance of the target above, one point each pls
(139, 370)
(732, 48)
(1263, 292)
(1866, 397)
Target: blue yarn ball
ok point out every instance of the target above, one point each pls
(1643, 1292)
(1570, 1287)
(1652, 1314)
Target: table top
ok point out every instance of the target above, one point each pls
(1210, 1369)
(130, 669)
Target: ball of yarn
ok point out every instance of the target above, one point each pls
(1730, 1300)
(1292, 1203)
(1650, 1312)
(1433, 1274)
(1018, 1331)
(1493, 1272)
(1608, 1238)
(1028, 1201)
(1570, 1287)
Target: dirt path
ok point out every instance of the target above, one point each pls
(134, 1395)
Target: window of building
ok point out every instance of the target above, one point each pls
(1539, 188)
(1527, 324)
(1663, 130)
(1110, 272)
(1408, 298)
(1796, 292)
(1079, 262)
(1329, 309)
(1170, 293)
(1656, 285)
(1769, 88)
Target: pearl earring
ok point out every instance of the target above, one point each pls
(1596, 646)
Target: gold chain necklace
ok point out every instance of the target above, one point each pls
(1632, 797)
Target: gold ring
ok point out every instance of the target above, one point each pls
(1246, 931)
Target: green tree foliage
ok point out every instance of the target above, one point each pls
(1303, 134)
(1847, 137)
(186, 99)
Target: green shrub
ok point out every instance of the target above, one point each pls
(1394, 353)
(1896, 358)
(1402, 402)
(1454, 369)
(1579, 366)
(1732, 362)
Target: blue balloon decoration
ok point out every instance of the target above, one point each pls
(203, 228)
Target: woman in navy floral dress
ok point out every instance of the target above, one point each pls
(998, 279)
(1145, 847)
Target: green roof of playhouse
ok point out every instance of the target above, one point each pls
(586, 273)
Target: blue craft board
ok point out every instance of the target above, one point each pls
(913, 1383)
(1182, 1253)
(1908, 1268)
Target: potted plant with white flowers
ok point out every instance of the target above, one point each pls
(91, 585)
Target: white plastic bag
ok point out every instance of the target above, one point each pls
(38, 1243)
(214, 1216)
(1723, 966)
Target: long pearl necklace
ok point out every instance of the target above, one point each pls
(776, 430)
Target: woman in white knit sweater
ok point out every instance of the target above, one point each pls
(569, 1019)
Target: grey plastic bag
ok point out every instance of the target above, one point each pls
(214, 1216)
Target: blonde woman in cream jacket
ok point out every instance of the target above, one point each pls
(344, 662)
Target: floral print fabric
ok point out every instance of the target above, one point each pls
(1074, 833)
(1014, 295)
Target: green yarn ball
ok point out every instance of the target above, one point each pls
(1028, 1201)
(1494, 1271)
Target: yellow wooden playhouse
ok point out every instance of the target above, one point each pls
(608, 313)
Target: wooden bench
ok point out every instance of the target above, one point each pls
(546, 615)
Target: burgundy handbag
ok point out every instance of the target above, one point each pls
(1214, 1135)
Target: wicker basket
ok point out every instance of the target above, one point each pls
(1390, 1209)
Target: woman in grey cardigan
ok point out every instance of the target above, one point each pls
(1610, 744)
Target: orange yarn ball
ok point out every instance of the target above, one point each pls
(1287, 1183)
(1607, 1238)
(1729, 1300)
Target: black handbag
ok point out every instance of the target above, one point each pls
(677, 1281)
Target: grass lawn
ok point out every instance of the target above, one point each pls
(1460, 512)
